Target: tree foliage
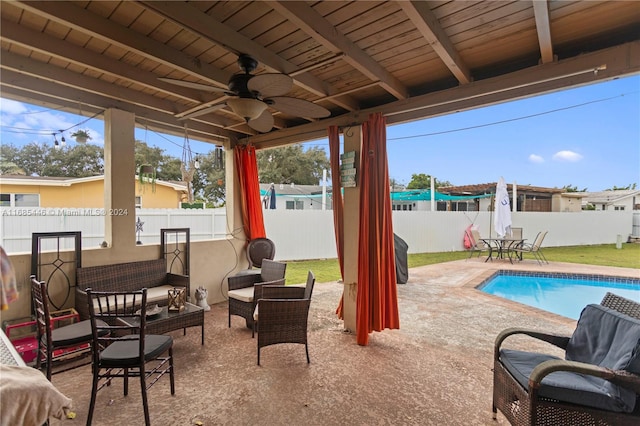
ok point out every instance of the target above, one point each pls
(622, 188)
(573, 188)
(291, 164)
(423, 181)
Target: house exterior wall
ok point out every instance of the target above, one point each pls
(91, 194)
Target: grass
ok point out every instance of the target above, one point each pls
(327, 270)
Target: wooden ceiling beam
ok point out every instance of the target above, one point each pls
(39, 42)
(89, 23)
(543, 27)
(197, 22)
(321, 30)
(156, 121)
(420, 14)
(585, 69)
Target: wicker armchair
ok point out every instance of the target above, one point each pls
(241, 289)
(552, 402)
(283, 313)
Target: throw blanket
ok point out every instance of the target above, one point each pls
(28, 398)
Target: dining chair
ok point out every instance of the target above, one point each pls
(535, 249)
(62, 345)
(126, 350)
(283, 319)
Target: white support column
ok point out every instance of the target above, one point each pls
(352, 142)
(119, 179)
(515, 197)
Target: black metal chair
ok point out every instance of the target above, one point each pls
(126, 350)
(61, 345)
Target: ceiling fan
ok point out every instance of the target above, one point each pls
(252, 95)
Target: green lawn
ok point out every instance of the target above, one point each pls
(606, 255)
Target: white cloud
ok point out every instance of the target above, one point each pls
(535, 158)
(567, 156)
(7, 106)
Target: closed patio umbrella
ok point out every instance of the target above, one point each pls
(502, 218)
(272, 197)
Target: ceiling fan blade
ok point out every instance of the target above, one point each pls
(298, 107)
(262, 124)
(192, 85)
(271, 84)
(204, 111)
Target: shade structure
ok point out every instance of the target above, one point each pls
(502, 217)
(272, 197)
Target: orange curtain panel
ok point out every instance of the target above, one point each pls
(247, 169)
(336, 193)
(377, 299)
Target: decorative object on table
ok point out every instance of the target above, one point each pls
(151, 311)
(177, 298)
(81, 136)
(147, 176)
(201, 298)
(139, 229)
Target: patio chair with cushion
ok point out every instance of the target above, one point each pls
(598, 382)
(241, 289)
(283, 315)
(126, 350)
(61, 345)
(535, 249)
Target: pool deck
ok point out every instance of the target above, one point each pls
(434, 370)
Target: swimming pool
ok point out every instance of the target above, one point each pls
(560, 293)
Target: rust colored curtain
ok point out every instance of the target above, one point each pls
(377, 299)
(336, 193)
(247, 169)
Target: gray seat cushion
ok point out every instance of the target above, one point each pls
(603, 337)
(606, 338)
(565, 386)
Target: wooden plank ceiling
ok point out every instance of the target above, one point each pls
(409, 60)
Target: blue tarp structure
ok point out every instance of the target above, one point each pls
(420, 195)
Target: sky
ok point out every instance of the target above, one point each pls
(587, 137)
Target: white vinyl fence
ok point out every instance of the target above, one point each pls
(308, 234)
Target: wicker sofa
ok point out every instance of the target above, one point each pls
(151, 274)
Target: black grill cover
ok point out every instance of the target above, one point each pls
(402, 268)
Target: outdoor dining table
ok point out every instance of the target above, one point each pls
(502, 247)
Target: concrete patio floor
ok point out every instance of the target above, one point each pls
(434, 370)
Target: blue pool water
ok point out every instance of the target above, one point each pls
(562, 294)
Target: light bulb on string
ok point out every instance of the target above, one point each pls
(196, 163)
(63, 141)
(56, 144)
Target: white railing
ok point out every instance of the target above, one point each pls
(308, 234)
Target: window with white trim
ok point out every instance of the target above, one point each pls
(19, 200)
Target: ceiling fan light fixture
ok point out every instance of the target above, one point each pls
(247, 108)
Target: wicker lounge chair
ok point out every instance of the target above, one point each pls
(283, 313)
(597, 384)
(241, 289)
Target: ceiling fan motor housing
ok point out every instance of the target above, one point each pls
(238, 85)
